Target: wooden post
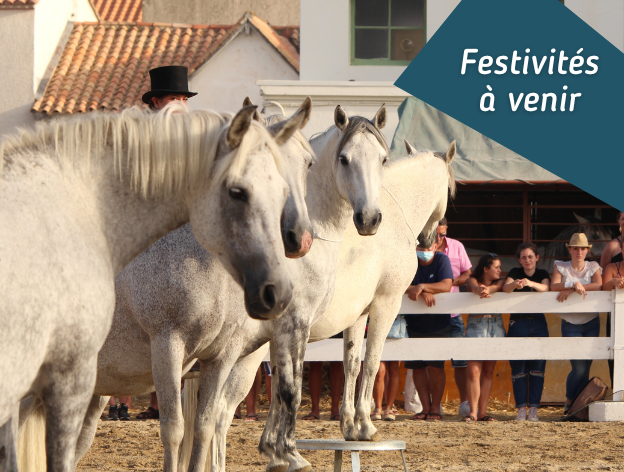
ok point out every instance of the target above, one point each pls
(617, 334)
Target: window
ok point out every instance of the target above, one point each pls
(387, 32)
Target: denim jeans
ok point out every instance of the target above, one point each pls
(579, 376)
(480, 327)
(458, 330)
(528, 374)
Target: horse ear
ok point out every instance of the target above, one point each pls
(340, 118)
(284, 130)
(410, 149)
(306, 106)
(450, 154)
(598, 214)
(239, 126)
(246, 103)
(580, 219)
(380, 117)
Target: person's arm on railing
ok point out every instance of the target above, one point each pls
(482, 290)
(610, 281)
(511, 285)
(463, 277)
(427, 290)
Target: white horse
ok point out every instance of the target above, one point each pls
(80, 198)
(373, 274)
(343, 185)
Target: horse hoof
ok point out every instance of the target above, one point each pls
(374, 438)
(303, 469)
(277, 468)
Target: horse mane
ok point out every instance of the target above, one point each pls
(278, 118)
(164, 152)
(359, 124)
(409, 161)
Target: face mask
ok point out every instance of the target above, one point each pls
(425, 256)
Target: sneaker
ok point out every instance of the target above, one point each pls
(522, 414)
(112, 413)
(533, 414)
(123, 412)
(464, 409)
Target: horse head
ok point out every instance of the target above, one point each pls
(298, 158)
(595, 230)
(238, 220)
(427, 235)
(360, 158)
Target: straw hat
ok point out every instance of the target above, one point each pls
(579, 240)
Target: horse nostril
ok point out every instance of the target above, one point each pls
(378, 219)
(268, 296)
(359, 219)
(291, 239)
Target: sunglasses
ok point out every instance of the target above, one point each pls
(440, 235)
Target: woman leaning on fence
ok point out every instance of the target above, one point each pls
(580, 276)
(484, 282)
(528, 373)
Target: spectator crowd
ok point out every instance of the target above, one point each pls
(444, 266)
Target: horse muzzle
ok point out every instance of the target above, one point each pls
(367, 222)
(297, 243)
(268, 300)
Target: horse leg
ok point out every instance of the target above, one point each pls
(89, 425)
(239, 382)
(353, 339)
(293, 341)
(66, 396)
(268, 439)
(212, 378)
(167, 359)
(382, 315)
(8, 443)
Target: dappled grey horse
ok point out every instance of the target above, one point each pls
(344, 187)
(80, 198)
(373, 274)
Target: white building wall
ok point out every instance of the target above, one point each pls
(16, 73)
(230, 76)
(51, 19)
(605, 16)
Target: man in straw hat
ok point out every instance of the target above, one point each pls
(580, 276)
(168, 84)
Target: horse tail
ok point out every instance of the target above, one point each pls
(31, 452)
(189, 410)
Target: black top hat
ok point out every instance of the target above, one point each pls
(168, 80)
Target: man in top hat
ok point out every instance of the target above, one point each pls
(169, 83)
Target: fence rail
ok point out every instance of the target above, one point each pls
(503, 348)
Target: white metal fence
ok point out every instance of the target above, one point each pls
(504, 348)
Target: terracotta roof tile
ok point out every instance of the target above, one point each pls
(105, 66)
(119, 10)
(4, 4)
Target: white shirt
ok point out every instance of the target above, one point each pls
(568, 273)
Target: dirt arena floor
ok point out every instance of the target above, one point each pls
(441, 445)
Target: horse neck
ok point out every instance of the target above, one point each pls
(129, 222)
(418, 188)
(329, 213)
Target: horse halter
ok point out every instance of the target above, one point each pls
(404, 216)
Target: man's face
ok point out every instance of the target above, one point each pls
(433, 247)
(441, 233)
(161, 102)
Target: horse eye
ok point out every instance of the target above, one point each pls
(343, 160)
(385, 161)
(238, 194)
(310, 164)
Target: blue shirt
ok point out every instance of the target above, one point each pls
(437, 271)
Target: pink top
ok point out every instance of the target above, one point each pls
(459, 260)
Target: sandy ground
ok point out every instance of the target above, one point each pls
(442, 445)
